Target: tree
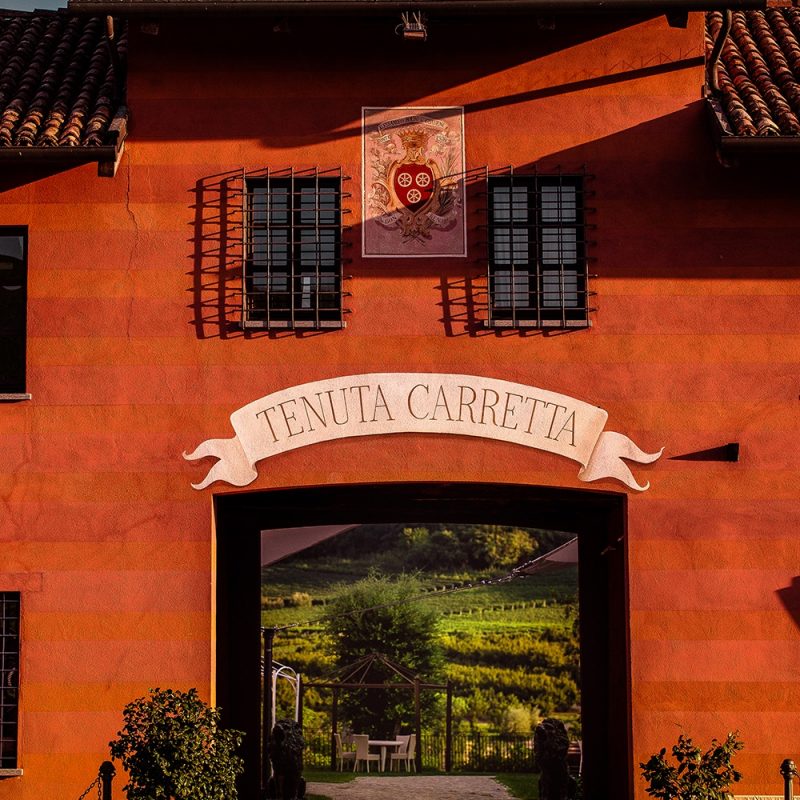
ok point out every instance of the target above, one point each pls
(173, 748)
(493, 546)
(383, 615)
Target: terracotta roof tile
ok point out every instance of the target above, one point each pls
(58, 86)
(759, 72)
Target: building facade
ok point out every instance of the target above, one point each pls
(269, 269)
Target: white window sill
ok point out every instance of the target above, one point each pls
(11, 397)
(10, 773)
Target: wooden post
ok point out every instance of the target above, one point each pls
(334, 727)
(448, 727)
(301, 688)
(266, 716)
(418, 725)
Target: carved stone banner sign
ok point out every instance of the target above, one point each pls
(413, 177)
(419, 402)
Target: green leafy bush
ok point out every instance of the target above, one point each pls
(696, 775)
(173, 748)
(518, 719)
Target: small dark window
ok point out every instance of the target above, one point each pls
(537, 251)
(9, 679)
(293, 264)
(13, 308)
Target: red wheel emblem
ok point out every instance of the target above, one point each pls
(414, 185)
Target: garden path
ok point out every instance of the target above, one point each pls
(422, 787)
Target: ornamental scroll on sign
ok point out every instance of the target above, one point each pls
(417, 402)
(413, 167)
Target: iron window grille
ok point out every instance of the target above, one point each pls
(9, 678)
(293, 250)
(537, 273)
(13, 310)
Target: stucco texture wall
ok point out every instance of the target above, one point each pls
(134, 357)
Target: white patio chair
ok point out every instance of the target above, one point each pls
(363, 753)
(342, 755)
(400, 753)
(407, 758)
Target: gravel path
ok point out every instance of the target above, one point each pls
(422, 787)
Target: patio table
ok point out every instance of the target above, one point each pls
(384, 745)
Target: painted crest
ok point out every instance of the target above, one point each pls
(414, 181)
(414, 198)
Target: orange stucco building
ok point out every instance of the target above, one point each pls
(640, 258)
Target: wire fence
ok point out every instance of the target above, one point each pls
(471, 752)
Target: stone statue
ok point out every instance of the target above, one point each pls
(286, 755)
(550, 745)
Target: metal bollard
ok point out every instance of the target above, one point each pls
(789, 772)
(107, 773)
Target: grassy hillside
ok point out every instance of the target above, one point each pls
(506, 645)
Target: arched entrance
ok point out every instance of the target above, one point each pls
(597, 517)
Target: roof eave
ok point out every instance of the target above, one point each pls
(205, 7)
(729, 143)
(741, 145)
(107, 156)
(59, 155)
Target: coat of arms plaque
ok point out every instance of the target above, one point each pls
(413, 182)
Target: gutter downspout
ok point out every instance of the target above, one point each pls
(712, 67)
(113, 55)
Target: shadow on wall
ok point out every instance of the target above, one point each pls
(361, 59)
(790, 599)
(659, 207)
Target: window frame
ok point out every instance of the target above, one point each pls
(17, 390)
(10, 765)
(301, 272)
(520, 251)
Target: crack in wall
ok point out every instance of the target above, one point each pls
(134, 246)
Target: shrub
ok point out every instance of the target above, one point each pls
(516, 719)
(697, 775)
(297, 600)
(173, 748)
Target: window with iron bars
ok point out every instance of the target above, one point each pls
(537, 251)
(293, 251)
(9, 678)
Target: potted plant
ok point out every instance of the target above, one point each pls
(695, 775)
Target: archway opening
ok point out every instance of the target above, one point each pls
(597, 518)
